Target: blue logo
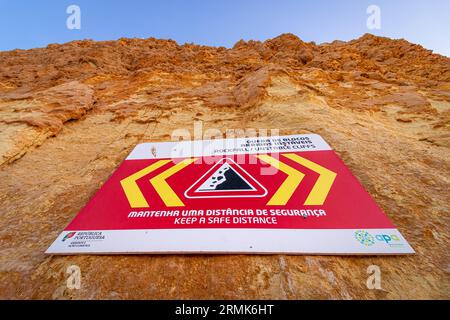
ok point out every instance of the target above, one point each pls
(387, 238)
(367, 239)
(364, 238)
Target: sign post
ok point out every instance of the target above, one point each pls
(285, 194)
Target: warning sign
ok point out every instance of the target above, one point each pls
(287, 194)
(226, 179)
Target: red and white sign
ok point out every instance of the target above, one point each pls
(287, 194)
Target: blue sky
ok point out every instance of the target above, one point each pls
(28, 24)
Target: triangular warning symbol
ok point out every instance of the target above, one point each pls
(226, 179)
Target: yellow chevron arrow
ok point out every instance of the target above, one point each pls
(287, 188)
(323, 184)
(131, 189)
(164, 190)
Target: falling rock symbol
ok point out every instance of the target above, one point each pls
(225, 178)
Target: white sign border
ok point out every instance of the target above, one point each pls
(233, 241)
(221, 147)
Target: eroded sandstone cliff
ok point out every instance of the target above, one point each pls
(69, 114)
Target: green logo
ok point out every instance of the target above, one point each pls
(68, 236)
(364, 238)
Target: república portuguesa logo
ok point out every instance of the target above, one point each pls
(364, 238)
(68, 236)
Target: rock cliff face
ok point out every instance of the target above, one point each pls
(69, 114)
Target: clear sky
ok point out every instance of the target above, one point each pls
(30, 23)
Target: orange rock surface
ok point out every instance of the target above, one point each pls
(69, 114)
